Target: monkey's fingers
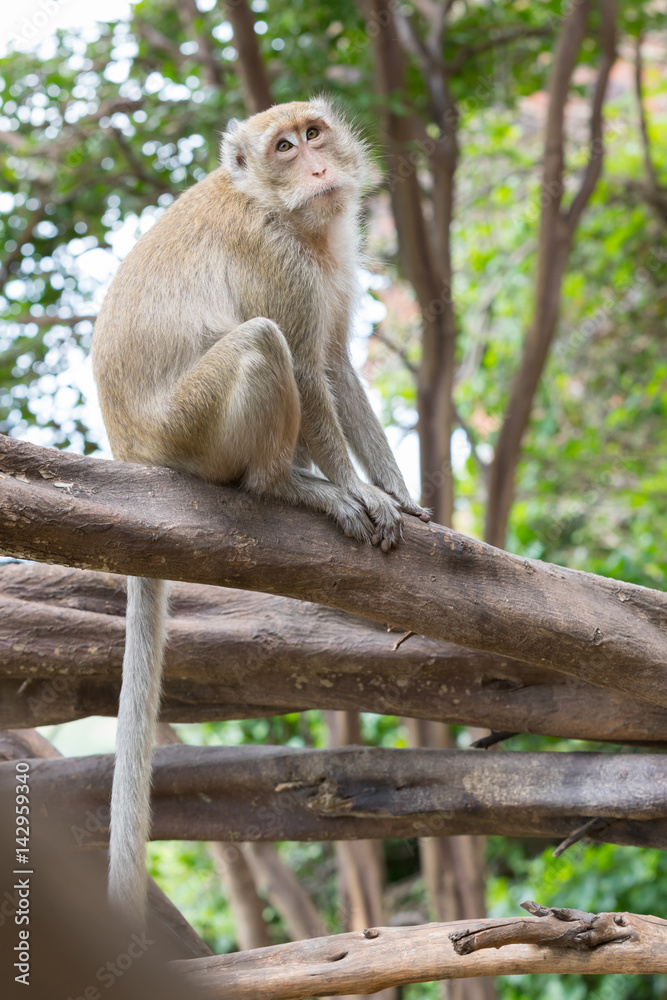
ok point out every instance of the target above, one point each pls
(410, 507)
(388, 533)
(355, 521)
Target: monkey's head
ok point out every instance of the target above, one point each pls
(300, 157)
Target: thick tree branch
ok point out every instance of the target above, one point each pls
(211, 793)
(370, 960)
(62, 634)
(131, 519)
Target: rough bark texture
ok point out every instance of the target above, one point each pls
(123, 518)
(215, 793)
(378, 957)
(234, 654)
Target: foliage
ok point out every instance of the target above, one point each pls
(101, 128)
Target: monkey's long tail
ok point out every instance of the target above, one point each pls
(137, 716)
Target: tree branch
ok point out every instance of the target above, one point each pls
(132, 519)
(250, 66)
(62, 634)
(370, 960)
(468, 52)
(211, 793)
(594, 165)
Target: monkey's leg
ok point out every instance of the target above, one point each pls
(305, 488)
(235, 417)
(368, 440)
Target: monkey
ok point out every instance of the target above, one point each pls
(222, 349)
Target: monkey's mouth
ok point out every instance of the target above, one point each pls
(324, 191)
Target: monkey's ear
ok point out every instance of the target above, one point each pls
(232, 156)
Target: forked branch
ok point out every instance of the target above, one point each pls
(363, 962)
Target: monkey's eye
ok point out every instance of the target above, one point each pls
(312, 132)
(283, 146)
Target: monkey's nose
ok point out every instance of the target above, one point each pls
(320, 173)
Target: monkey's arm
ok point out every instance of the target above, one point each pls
(368, 440)
(323, 434)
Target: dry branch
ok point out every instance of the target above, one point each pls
(122, 518)
(233, 654)
(270, 793)
(370, 960)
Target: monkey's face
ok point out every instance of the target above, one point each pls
(300, 157)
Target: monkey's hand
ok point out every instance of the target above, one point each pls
(408, 506)
(385, 513)
(397, 489)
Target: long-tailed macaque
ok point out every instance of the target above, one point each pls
(222, 349)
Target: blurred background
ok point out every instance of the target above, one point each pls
(512, 334)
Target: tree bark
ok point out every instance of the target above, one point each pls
(124, 518)
(62, 634)
(211, 793)
(560, 942)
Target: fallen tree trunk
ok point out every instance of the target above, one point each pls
(270, 793)
(122, 518)
(560, 941)
(234, 654)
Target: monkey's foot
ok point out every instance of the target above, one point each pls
(354, 520)
(410, 507)
(385, 513)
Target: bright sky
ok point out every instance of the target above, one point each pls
(30, 22)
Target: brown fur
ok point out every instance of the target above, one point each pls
(222, 349)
